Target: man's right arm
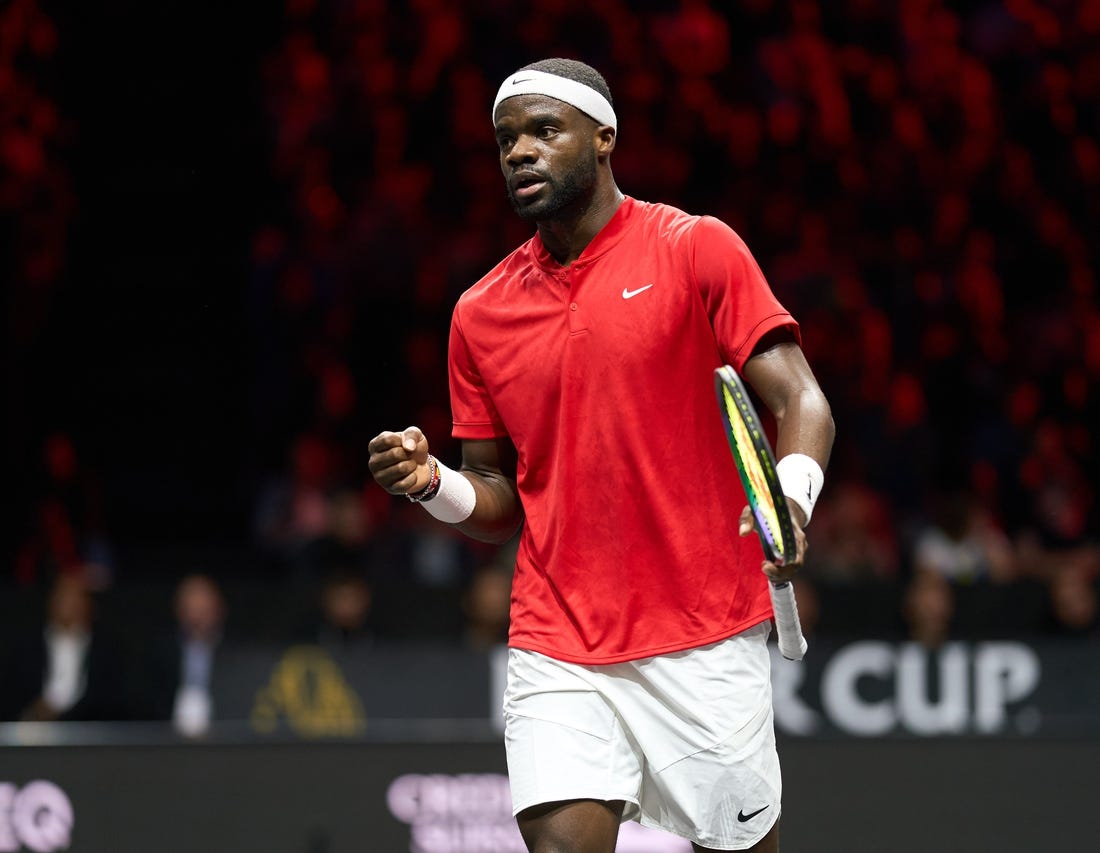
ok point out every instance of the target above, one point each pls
(399, 463)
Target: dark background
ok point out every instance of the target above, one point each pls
(141, 353)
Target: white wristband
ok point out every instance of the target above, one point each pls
(454, 502)
(801, 479)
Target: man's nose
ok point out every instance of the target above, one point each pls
(523, 151)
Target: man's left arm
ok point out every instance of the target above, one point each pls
(781, 376)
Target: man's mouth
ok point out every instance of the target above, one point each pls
(527, 185)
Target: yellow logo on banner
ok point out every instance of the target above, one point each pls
(309, 690)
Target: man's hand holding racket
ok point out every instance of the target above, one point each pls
(789, 569)
(769, 512)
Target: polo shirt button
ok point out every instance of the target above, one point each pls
(572, 306)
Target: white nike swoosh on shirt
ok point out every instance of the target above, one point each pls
(627, 294)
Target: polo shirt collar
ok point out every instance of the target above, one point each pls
(604, 240)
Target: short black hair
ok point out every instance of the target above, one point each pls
(575, 70)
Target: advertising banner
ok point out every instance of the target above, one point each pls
(909, 794)
(863, 688)
(874, 688)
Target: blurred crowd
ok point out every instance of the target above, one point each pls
(920, 182)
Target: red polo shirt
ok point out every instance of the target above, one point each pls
(601, 373)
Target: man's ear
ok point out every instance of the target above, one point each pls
(605, 140)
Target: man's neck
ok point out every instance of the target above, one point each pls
(566, 237)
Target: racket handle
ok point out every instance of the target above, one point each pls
(792, 645)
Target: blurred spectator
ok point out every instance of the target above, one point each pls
(71, 668)
(345, 602)
(485, 606)
(176, 680)
(1060, 493)
(421, 571)
(853, 538)
(1074, 611)
(928, 609)
(294, 510)
(350, 539)
(963, 544)
(200, 619)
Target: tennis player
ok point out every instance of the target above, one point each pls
(581, 387)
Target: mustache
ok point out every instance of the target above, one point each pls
(526, 175)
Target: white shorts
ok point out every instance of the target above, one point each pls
(685, 739)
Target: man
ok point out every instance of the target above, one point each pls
(179, 676)
(71, 669)
(581, 373)
(200, 619)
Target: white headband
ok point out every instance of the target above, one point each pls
(584, 98)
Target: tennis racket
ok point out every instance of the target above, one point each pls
(756, 466)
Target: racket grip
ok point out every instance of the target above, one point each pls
(792, 644)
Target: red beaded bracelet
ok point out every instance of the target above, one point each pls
(428, 492)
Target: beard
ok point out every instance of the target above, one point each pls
(558, 196)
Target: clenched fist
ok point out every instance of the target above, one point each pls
(399, 461)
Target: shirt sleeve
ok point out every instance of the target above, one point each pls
(473, 414)
(737, 297)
